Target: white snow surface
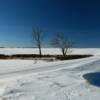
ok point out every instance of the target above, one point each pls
(60, 80)
(11, 51)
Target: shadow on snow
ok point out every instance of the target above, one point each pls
(93, 78)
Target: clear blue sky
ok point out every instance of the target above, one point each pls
(79, 19)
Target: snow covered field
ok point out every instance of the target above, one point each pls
(60, 80)
(10, 51)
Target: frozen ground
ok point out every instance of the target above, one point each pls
(61, 80)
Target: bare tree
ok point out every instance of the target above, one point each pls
(60, 41)
(38, 36)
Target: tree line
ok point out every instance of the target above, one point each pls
(59, 41)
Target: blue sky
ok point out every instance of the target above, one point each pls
(78, 19)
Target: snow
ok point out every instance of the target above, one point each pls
(60, 80)
(11, 51)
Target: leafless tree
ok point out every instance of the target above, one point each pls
(38, 37)
(60, 41)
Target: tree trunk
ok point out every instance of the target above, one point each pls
(40, 52)
(63, 52)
